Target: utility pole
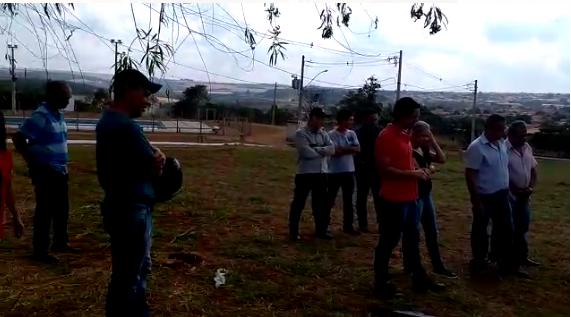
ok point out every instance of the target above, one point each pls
(300, 91)
(473, 131)
(274, 106)
(117, 43)
(399, 75)
(13, 71)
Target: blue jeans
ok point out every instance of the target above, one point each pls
(498, 209)
(129, 226)
(521, 218)
(428, 221)
(397, 218)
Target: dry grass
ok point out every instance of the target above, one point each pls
(232, 214)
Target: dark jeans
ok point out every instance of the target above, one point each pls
(428, 221)
(521, 218)
(52, 203)
(345, 181)
(129, 226)
(367, 181)
(498, 209)
(317, 185)
(397, 218)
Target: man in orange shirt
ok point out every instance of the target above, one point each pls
(397, 199)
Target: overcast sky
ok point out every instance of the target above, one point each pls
(511, 48)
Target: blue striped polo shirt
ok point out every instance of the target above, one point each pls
(46, 132)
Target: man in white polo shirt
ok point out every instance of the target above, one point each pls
(523, 178)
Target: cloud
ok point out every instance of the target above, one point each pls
(505, 48)
(508, 32)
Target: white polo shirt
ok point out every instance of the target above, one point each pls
(520, 165)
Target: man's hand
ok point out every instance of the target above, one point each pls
(159, 161)
(421, 174)
(18, 228)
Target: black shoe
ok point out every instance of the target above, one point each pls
(423, 285)
(45, 258)
(529, 263)
(351, 231)
(364, 229)
(386, 290)
(294, 237)
(444, 272)
(478, 266)
(66, 248)
(323, 236)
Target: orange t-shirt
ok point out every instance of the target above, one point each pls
(393, 144)
(6, 177)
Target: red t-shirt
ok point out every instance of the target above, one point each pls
(6, 175)
(393, 144)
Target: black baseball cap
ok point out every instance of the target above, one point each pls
(318, 112)
(132, 78)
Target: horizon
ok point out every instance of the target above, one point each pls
(286, 85)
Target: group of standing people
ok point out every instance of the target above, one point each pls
(128, 167)
(396, 164)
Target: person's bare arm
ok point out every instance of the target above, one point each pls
(21, 144)
(329, 148)
(473, 161)
(438, 155)
(471, 176)
(533, 181)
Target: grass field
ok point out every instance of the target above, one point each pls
(232, 215)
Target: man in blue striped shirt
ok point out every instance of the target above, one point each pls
(42, 142)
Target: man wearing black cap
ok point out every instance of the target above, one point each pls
(127, 165)
(314, 148)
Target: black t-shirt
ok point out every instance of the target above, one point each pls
(423, 161)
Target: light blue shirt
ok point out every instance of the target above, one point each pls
(491, 162)
(46, 132)
(343, 163)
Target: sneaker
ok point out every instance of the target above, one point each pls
(424, 284)
(529, 262)
(386, 290)
(478, 265)
(66, 248)
(323, 236)
(352, 232)
(45, 258)
(444, 272)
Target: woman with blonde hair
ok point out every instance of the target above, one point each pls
(427, 151)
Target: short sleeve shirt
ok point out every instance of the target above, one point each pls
(393, 143)
(520, 165)
(343, 163)
(491, 162)
(124, 159)
(46, 132)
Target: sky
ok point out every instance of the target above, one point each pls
(506, 48)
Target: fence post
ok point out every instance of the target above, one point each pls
(177, 129)
(76, 121)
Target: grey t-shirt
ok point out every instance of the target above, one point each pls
(343, 163)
